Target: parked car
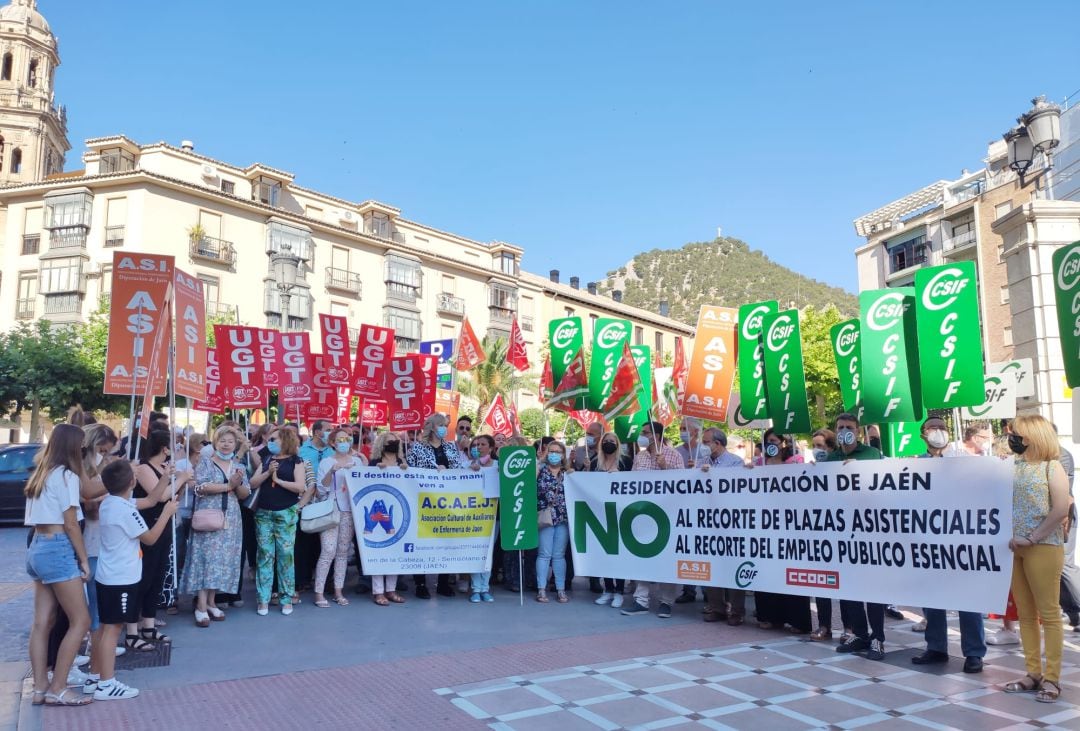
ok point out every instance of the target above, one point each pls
(16, 465)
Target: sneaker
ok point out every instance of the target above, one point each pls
(475, 598)
(1003, 637)
(876, 651)
(485, 596)
(604, 598)
(80, 660)
(120, 651)
(892, 612)
(686, 597)
(664, 611)
(286, 609)
(855, 644)
(617, 601)
(634, 610)
(76, 678)
(114, 690)
(91, 685)
(919, 626)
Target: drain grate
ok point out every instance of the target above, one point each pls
(159, 658)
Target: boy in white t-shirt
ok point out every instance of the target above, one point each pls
(119, 569)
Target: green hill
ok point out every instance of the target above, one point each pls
(720, 272)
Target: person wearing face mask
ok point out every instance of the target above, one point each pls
(722, 604)
(330, 485)
(432, 450)
(551, 469)
(482, 456)
(690, 440)
(935, 433)
(386, 454)
(585, 456)
(873, 436)
(308, 546)
(654, 454)
(857, 615)
(611, 459)
(978, 439)
(822, 445)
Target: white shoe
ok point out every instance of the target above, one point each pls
(90, 685)
(919, 626)
(286, 609)
(605, 598)
(1003, 637)
(616, 601)
(120, 651)
(77, 677)
(80, 660)
(262, 610)
(114, 690)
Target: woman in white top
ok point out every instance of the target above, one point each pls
(57, 562)
(329, 485)
(386, 453)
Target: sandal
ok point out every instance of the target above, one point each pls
(216, 614)
(541, 596)
(381, 600)
(62, 699)
(563, 598)
(138, 644)
(341, 601)
(1045, 695)
(395, 598)
(152, 634)
(322, 604)
(36, 700)
(202, 619)
(821, 634)
(1027, 684)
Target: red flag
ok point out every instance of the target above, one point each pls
(517, 356)
(405, 393)
(547, 388)
(680, 371)
(292, 368)
(215, 398)
(623, 399)
(324, 402)
(587, 418)
(335, 348)
(511, 409)
(498, 419)
(470, 351)
(574, 384)
(376, 413)
(429, 364)
(374, 349)
(344, 404)
(241, 371)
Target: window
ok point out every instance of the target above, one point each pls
(116, 160)
(228, 187)
(377, 224)
(31, 74)
(5, 68)
(568, 312)
(503, 297)
(17, 459)
(907, 253)
(1006, 336)
(105, 290)
(506, 263)
(639, 335)
(72, 209)
(266, 191)
(16, 161)
(62, 275)
(300, 305)
(449, 284)
(115, 220)
(593, 318)
(406, 325)
(31, 244)
(283, 237)
(1002, 208)
(658, 344)
(26, 295)
(1004, 294)
(403, 277)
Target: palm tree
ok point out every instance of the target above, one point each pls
(495, 377)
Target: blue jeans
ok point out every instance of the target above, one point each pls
(551, 553)
(481, 582)
(972, 637)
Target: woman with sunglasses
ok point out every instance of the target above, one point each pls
(330, 485)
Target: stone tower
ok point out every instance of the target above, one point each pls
(33, 129)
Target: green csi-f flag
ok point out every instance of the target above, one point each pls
(565, 339)
(902, 439)
(889, 356)
(751, 359)
(627, 428)
(785, 381)
(609, 334)
(950, 340)
(1067, 294)
(517, 498)
(845, 342)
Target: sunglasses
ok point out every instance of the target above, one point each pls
(344, 440)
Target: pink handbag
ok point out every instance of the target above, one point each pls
(208, 520)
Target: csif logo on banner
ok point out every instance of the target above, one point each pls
(751, 356)
(888, 356)
(611, 335)
(608, 339)
(1066, 262)
(785, 380)
(564, 334)
(949, 336)
(887, 312)
(517, 498)
(845, 341)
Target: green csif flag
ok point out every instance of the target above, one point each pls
(950, 339)
(517, 498)
(845, 342)
(889, 356)
(566, 339)
(902, 439)
(785, 380)
(627, 428)
(609, 334)
(1067, 295)
(751, 359)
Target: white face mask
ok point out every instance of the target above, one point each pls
(98, 456)
(937, 438)
(644, 441)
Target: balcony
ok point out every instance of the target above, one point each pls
(114, 236)
(501, 316)
(68, 237)
(526, 322)
(63, 304)
(448, 304)
(958, 243)
(217, 251)
(24, 308)
(221, 311)
(402, 292)
(343, 280)
(383, 230)
(354, 337)
(31, 244)
(404, 346)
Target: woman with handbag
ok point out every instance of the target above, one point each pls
(386, 453)
(337, 539)
(551, 468)
(212, 563)
(285, 484)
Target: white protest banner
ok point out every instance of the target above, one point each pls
(1000, 398)
(424, 521)
(918, 532)
(1024, 370)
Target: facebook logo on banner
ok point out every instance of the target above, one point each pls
(410, 547)
(444, 351)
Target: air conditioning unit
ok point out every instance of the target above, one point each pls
(347, 216)
(209, 172)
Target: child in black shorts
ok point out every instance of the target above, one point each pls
(118, 572)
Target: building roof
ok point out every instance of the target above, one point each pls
(23, 11)
(890, 215)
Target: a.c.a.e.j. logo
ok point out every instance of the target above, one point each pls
(386, 515)
(745, 574)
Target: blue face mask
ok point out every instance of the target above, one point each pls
(554, 458)
(343, 447)
(474, 452)
(591, 441)
(224, 455)
(273, 447)
(440, 432)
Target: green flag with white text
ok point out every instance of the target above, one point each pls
(845, 342)
(1066, 262)
(902, 439)
(889, 356)
(627, 428)
(751, 360)
(565, 340)
(517, 498)
(785, 380)
(950, 339)
(609, 334)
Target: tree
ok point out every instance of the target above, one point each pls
(822, 381)
(494, 377)
(532, 423)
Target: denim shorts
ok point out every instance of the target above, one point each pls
(51, 559)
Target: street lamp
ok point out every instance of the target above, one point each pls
(1039, 130)
(284, 263)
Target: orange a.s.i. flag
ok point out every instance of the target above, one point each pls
(713, 364)
(547, 387)
(574, 384)
(191, 367)
(623, 399)
(159, 365)
(470, 351)
(517, 355)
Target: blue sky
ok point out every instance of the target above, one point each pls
(583, 131)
